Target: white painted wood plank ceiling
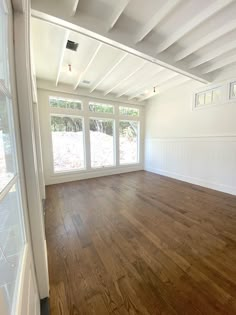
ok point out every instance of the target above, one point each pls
(161, 42)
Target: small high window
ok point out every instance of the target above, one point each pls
(65, 103)
(128, 111)
(101, 108)
(233, 90)
(210, 97)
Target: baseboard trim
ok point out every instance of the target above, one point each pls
(57, 179)
(197, 181)
(44, 306)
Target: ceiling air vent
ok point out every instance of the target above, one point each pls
(72, 45)
(86, 82)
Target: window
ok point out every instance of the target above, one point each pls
(233, 90)
(7, 165)
(101, 142)
(12, 230)
(128, 111)
(129, 138)
(65, 103)
(87, 139)
(68, 143)
(101, 108)
(209, 97)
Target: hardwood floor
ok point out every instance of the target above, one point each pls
(140, 243)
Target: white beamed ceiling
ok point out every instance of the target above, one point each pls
(179, 39)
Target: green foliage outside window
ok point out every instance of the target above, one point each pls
(66, 123)
(101, 108)
(64, 103)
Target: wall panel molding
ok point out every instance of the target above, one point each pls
(209, 161)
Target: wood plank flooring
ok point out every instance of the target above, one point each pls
(140, 243)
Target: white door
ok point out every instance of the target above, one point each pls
(18, 288)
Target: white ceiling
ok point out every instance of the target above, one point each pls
(195, 38)
(95, 66)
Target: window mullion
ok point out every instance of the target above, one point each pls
(87, 136)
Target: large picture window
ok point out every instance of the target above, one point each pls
(68, 143)
(102, 142)
(129, 141)
(87, 135)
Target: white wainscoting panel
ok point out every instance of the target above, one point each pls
(209, 161)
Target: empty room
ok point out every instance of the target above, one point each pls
(117, 157)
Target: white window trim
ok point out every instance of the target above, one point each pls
(231, 97)
(225, 87)
(87, 114)
(83, 124)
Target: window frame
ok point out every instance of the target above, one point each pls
(87, 115)
(114, 142)
(138, 141)
(204, 92)
(18, 180)
(127, 115)
(231, 85)
(100, 113)
(51, 141)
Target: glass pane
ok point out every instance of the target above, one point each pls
(208, 97)
(102, 142)
(68, 143)
(101, 108)
(4, 67)
(65, 103)
(129, 137)
(216, 96)
(128, 111)
(233, 89)
(12, 241)
(200, 99)
(7, 165)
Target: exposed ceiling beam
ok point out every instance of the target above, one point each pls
(42, 9)
(156, 81)
(62, 51)
(121, 5)
(213, 54)
(220, 64)
(135, 87)
(165, 9)
(82, 75)
(74, 8)
(209, 38)
(198, 19)
(120, 59)
(126, 78)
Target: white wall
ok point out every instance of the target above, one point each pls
(45, 89)
(197, 146)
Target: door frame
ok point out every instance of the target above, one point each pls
(24, 96)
